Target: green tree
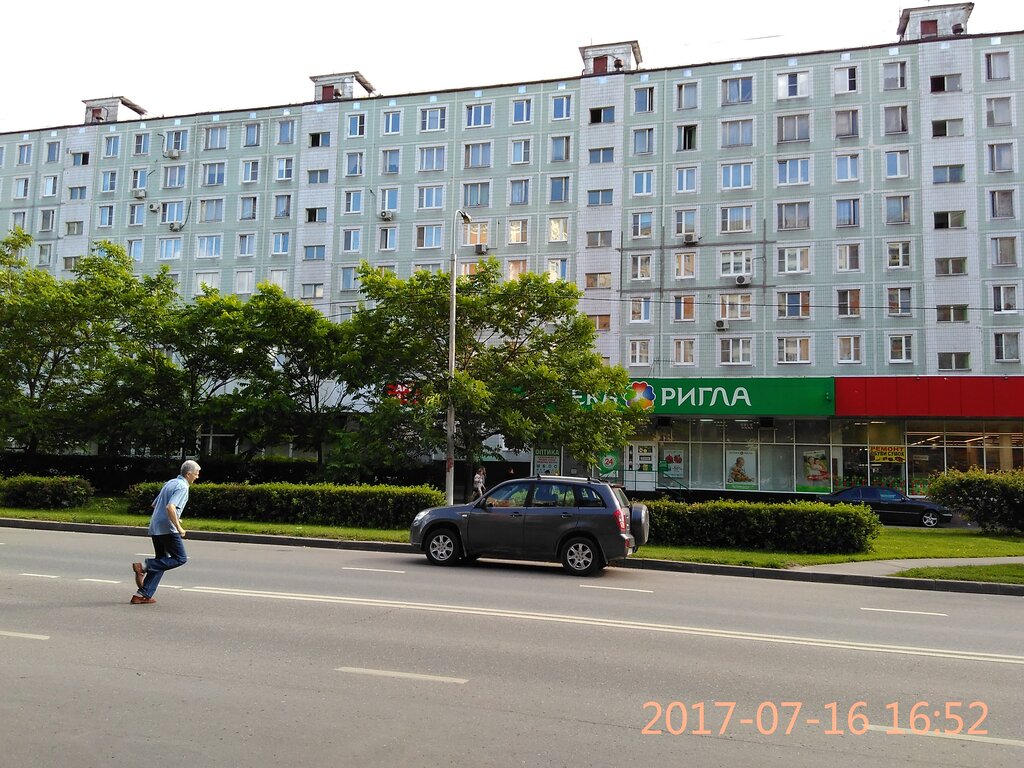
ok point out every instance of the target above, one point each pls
(523, 353)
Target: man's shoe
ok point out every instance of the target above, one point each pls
(140, 600)
(140, 574)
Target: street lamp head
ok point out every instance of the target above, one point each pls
(466, 218)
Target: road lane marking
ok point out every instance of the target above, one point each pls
(402, 675)
(961, 736)
(23, 636)
(916, 613)
(616, 589)
(40, 575)
(101, 581)
(374, 570)
(849, 645)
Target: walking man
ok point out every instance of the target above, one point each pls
(167, 534)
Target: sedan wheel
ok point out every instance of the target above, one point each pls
(580, 557)
(929, 519)
(443, 547)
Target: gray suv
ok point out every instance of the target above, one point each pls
(581, 522)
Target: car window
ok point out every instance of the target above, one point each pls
(589, 497)
(620, 496)
(869, 494)
(509, 495)
(850, 494)
(888, 495)
(553, 495)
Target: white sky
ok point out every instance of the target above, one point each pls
(188, 56)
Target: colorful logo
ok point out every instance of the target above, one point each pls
(643, 395)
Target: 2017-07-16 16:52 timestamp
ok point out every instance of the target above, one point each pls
(707, 718)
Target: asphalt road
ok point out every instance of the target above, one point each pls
(263, 655)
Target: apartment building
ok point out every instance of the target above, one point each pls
(811, 261)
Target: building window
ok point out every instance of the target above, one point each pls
(286, 132)
(598, 280)
(79, 158)
(686, 179)
(285, 167)
(737, 90)
(170, 248)
(520, 151)
(558, 230)
(559, 189)
(1007, 347)
(793, 349)
(47, 217)
(954, 361)
(356, 125)
(522, 111)
(792, 85)
(795, 170)
(387, 239)
(898, 302)
(642, 224)
(251, 135)
(683, 351)
(639, 352)
(476, 194)
(561, 107)
(847, 123)
(390, 160)
(478, 115)
(894, 75)
(250, 171)
(1001, 203)
(951, 313)
(518, 230)
(686, 222)
(209, 246)
(898, 254)
(848, 257)
(601, 322)
(1004, 251)
(430, 198)
(282, 206)
(21, 188)
(477, 155)
(901, 349)
(849, 349)
(998, 111)
(953, 127)
(640, 310)
(106, 216)
(601, 238)
(176, 141)
(211, 210)
(312, 290)
(686, 138)
(643, 141)
(1004, 298)
(897, 209)
(559, 149)
(794, 304)
(847, 168)
(430, 159)
(735, 263)
(736, 218)
(686, 96)
(351, 240)
(172, 211)
(848, 212)
(245, 281)
(599, 197)
(848, 302)
(602, 115)
(1000, 158)
(793, 216)
(947, 174)
(951, 266)
(684, 308)
(643, 99)
(248, 208)
(428, 236)
(282, 243)
(316, 215)
(319, 176)
(70, 227)
(640, 266)
(602, 155)
(845, 80)
(896, 120)
(76, 193)
(433, 118)
(997, 65)
(174, 177)
(558, 269)
(136, 215)
(794, 260)
(216, 137)
(736, 176)
(737, 133)
(141, 144)
(794, 128)
(736, 351)
(643, 183)
(950, 219)
(247, 245)
(111, 146)
(49, 186)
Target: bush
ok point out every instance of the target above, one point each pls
(27, 492)
(993, 500)
(356, 506)
(805, 527)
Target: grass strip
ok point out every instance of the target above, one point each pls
(1003, 573)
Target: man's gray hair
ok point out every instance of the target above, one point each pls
(190, 466)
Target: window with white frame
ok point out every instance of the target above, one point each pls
(950, 127)
(522, 111)
(686, 222)
(848, 167)
(76, 193)
(211, 210)
(642, 224)
(286, 132)
(349, 279)
(134, 249)
(561, 107)
(643, 99)
(108, 181)
(1004, 299)
(950, 219)
(316, 215)
(281, 243)
(686, 138)
(245, 281)
(136, 215)
(1000, 157)
(639, 351)
(794, 260)
(897, 163)
(207, 280)
(793, 128)
(599, 238)
(686, 179)
(392, 120)
(430, 159)
(560, 149)
(70, 227)
(351, 240)
(602, 115)
(640, 309)
(643, 141)
(388, 198)
(737, 175)
(594, 280)
(387, 238)
(517, 231)
(845, 80)
(684, 351)
(520, 151)
(643, 183)
(1004, 251)
(476, 194)
(216, 137)
(558, 229)
(282, 206)
(390, 161)
(209, 246)
(848, 212)
(79, 159)
(901, 348)
(558, 268)
(172, 211)
(476, 233)
(795, 170)
(951, 313)
(49, 186)
(737, 133)
(21, 188)
(948, 174)
(106, 216)
(954, 361)
(848, 302)
(519, 192)
(734, 306)
(1007, 347)
(894, 75)
(251, 135)
(285, 166)
(898, 254)
(898, 301)
(686, 96)
(111, 146)
(170, 248)
(312, 291)
(428, 236)
(736, 218)
(517, 268)
(848, 349)
(684, 265)
(141, 144)
(176, 140)
(793, 215)
(47, 217)
(318, 176)
(246, 245)
(684, 307)
(433, 118)
(430, 197)
(737, 90)
(897, 209)
(559, 189)
(848, 257)
(478, 115)
(950, 266)
(599, 197)
(945, 83)
(735, 262)
(248, 208)
(793, 85)
(793, 349)
(640, 266)
(356, 125)
(278, 277)
(736, 350)
(174, 176)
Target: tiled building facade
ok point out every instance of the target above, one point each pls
(845, 215)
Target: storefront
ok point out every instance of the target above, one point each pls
(816, 435)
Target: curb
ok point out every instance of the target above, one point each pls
(745, 571)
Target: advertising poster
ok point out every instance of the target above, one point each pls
(547, 461)
(607, 463)
(672, 462)
(814, 476)
(640, 457)
(741, 470)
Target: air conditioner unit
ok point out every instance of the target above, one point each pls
(173, 154)
(689, 238)
(154, 207)
(721, 325)
(176, 226)
(742, 279)
(139, 194)
(481, 249)
(386, 215)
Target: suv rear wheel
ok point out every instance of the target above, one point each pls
(580, 557)
(443, 547)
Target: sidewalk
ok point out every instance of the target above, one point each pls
(868, 573)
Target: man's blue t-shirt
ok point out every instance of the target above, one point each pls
(174, 492)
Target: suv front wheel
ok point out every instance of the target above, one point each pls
(580, 557)
(442, 547)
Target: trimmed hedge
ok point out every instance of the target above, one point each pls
(355, 506)
(993, 500)
(803, 527)
(27, 492)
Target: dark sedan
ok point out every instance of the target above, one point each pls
(892, 506)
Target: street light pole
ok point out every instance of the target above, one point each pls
(449, 465)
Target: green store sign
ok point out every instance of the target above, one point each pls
(728, 397)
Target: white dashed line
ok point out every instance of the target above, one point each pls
(23, 636)
(616, 589)
(40, 575)
(916, 613)
(101, 581)
(402, 675)
(374, 570)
